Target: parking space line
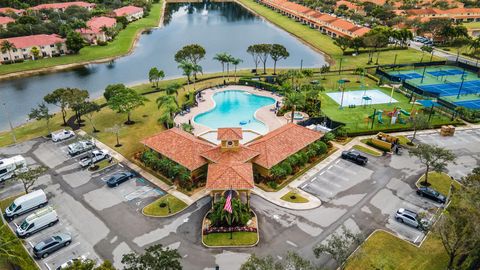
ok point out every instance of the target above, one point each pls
(329, 167)
(414, 241)
(137, 193)
(291, 243)
(321, 173)
(304, 185)
(313, 179)
(336, 162)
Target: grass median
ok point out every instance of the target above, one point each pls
(294, 197)
(164, 206)
(238, 239)
(440, 182)
(367, 150)
(121, 45)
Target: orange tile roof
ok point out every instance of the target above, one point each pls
(95, 24)
(13, 10)
(239, 155)
(279, 144)
(179, 146)
(34, 40)
(230, 176)
(63, 5)
(376, 2)
(229, 134)
(127, 10)
(5, 20)
(348, 4)
(361, 31)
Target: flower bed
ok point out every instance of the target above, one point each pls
(228, 229)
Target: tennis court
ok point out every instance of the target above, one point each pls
(470, 104)
(453, 88)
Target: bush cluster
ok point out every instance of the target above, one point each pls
(167, 168)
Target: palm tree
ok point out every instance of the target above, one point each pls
(229, 61)
(187, 69)
(170, 106)
(196, 68)
(7, 46)
(294, 99)
(222, 58)
(9, 245)
(235, 62)
(475, 45)
(173, 88)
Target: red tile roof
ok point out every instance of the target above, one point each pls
(95, 24)
(279, 144)
(5, 20)
(63, 5)
(8, 10)
(127, 10)
(230, 176)
(34, 40)
(229, 134)
(240, 155)
(179, 146)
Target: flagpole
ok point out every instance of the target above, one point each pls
(230, 214)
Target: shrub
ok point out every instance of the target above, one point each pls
(287, 167)
(328, 137)
(272, 184)
(341, 132)
(162, 205)
(322, 147)
(278, 172)
(302, 158)
(102, 43)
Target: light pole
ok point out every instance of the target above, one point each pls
(10, 123)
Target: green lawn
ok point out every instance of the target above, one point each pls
(27, 263)
(223, 239)
(121, 45)
(387, 252)
(439, 181)
(325, 44)
(366, 150)
(471, 25)
(154, 208)
(403, 140)
(294, 197)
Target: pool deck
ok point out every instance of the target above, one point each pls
(263, 114)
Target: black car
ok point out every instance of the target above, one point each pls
(119, 178)
(355, 157)
(431, 194)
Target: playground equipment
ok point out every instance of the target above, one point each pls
(385, 142)
(447, 130)
(378, 114)
(395, 115)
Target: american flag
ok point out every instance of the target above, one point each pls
(228, 202)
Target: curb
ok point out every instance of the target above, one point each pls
(170, 215)
(243, 246)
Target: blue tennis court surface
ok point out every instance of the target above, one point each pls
(428, 103)
(449, 72)
(470, 104)
(452, 88)
(408, 76)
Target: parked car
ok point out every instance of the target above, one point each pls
(119, 178)
(419, 39)
(80, 147)
(62, 135)
(411, 218)
(355, 157)
(432, 194)
(26, 203)
(95, 157)
(39, 220)
(51, 244)
(10, 166)
(71, 262)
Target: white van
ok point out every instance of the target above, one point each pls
(8, 167)
(26, 203)
(41, 219)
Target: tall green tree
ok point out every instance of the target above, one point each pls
(41, 113)
(156, 257)
(9, 249)
(263, 53)
(169, 106)
(293, 100)
(89, 264)
(293, 261)
(235, 62)
(29, 176)
(155, 75)
(187, 69)
(74, 41)
(89, 109)
(278, 52)
(192, 54)
(125, 101)
(420, 121)
(254, 51)
(222, 58)
(339, 245)
(7, 46)
(433, 158)
(59, 97)
(76, 99)
(343, 43)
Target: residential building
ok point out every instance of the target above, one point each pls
(455, 14)
(7, 10)
(4, 21)
(62, 6)
(351, 6)
(132, 13)
(94, 31)
(325, 23)
(48, 45)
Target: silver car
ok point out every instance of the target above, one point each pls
(51, 244)
(408, 217)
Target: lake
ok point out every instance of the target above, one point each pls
(218, 27)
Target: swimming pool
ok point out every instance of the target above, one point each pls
(235, 108)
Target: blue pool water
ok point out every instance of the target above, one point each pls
(234, 107)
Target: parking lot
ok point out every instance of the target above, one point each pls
(91, 188)
(106, 222)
